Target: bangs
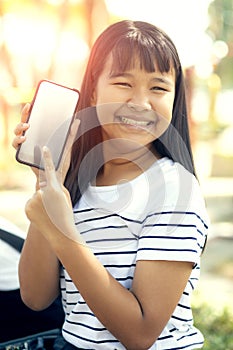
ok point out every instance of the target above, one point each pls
(150, 55)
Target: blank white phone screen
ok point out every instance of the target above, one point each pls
(52, 112)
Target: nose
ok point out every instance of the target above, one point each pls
(139, 101)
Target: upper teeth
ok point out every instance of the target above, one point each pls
(134, 122)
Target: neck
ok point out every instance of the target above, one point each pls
(125, 167)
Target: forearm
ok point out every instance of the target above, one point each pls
(38, 271)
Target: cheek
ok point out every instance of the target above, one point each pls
(101, 99)
(105, 112)
(160, 127)
(165, 108)
(101, 93)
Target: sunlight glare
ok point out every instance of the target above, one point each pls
(27, 36)
(72, 48)
(184, 21)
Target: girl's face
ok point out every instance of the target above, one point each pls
(134, 105)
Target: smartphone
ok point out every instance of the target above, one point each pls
(50, 116)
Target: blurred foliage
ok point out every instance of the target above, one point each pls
(221, 28)
(216, 326)
(221, 20)
(225, 71)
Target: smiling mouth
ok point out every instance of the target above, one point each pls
(133, 122)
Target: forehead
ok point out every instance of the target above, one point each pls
(149, 56)
(113, 68)
(116, 64)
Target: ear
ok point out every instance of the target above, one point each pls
(93, 98)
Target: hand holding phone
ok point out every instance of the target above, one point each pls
(50, 117)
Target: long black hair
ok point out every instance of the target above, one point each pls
(128, 41)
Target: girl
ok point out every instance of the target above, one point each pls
(122, 239)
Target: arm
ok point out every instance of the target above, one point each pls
(135, 317)
(38, 271)
(39, 266)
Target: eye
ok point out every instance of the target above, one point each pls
(159, 89)
(121, 83)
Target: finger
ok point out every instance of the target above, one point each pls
(17, 141)
(23, 125)
(41, 177)
(20, 128)
(25, 112)
(19, 132)
(50, 174)
(65, 161)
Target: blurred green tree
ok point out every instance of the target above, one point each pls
(221, 28)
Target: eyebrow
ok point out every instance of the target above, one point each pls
(162, 80)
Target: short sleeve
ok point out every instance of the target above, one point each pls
(176, 228)
(172, 235)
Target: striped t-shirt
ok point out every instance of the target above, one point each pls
(160, 215)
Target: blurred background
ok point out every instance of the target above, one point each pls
(50, 39)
